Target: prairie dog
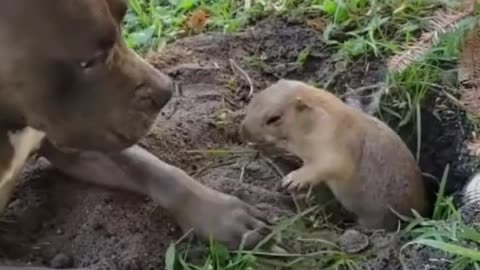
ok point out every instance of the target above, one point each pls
(366, 164)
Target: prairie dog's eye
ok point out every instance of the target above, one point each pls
(272, 120)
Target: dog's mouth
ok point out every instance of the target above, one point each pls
(110, 141)
(63, 148)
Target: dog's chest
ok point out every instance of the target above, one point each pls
(15, 149)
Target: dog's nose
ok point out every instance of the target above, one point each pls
(162, 88)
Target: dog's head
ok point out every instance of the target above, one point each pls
(66, 70)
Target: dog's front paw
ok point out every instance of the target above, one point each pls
(224, 218)
(294, 180)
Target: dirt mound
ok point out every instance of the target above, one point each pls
(57, 221)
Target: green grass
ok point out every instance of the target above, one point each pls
(302, 249)
(447, 232)
(356, 29)
(151, 24)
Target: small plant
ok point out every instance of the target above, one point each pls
(447, 232)
(440, 23)
(462, 23)
(372, 27)
(303, 250)
(218, 258)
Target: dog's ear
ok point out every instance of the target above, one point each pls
(118, 8)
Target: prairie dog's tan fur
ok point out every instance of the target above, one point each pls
(366, 165)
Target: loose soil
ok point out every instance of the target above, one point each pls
(56, 221)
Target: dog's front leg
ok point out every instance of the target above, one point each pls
(208, 212)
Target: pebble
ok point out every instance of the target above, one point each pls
(61, 260)
(352, 241)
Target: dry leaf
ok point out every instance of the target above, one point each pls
(197, 21)
(469, 71)
(317, 24)
(473, 146)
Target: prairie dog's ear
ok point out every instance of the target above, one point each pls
(301, 105)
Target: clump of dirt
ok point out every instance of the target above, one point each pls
(57, 220)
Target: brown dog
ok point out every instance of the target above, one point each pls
(70, 86)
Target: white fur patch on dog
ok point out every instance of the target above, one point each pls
(24, 143)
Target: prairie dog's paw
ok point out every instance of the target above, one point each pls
(294, 180)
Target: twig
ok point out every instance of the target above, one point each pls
(212, 166)
(235, 67)
(178, 90)
(419, 132)
(242, 172)
(185, 235)
(221, 152)
(282, 175)
(178, 94)
(274, 166)
(174, 106)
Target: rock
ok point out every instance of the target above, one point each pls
(105, 264)
(470, 213)
(129, 263)
(61, 260)
(352, 241)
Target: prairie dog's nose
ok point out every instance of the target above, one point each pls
(244, 133)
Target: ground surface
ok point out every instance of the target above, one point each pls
(56, 221)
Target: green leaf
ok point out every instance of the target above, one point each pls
(329, 7)
(187, 4)
(451, 248)
(170, 257)
(142, 37)
(441, 193)
(469, 234)
(355, 47)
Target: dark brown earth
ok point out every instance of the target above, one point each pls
(54, 220)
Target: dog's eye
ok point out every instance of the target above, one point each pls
(86, 64)
(272, 120)
(97, 59)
